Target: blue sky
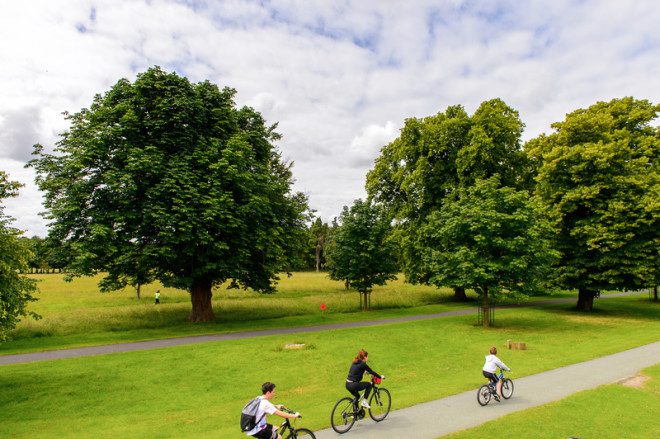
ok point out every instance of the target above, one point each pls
(340, 77)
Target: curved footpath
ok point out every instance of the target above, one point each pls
(457, 412)
(168, 342)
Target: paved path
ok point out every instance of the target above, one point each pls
(447, 415)
(168, 342)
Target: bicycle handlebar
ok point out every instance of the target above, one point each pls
(288, 410)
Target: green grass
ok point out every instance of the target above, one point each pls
(613, 411)
(199, 390)
(77, 314)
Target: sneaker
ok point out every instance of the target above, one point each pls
(497, 398)
(365, 404)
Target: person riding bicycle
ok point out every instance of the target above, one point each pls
(490, 367)
(263, 430)
(354, 383)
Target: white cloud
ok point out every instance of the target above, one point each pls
(366, 147)
(339, 77)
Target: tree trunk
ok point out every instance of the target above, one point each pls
(655, 293)
(138, 291)
(200, 296)
(318, 257)
(459, 294)
(485, 308)
(585, 299)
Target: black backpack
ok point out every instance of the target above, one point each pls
(249, 415)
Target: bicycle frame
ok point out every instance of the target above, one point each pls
(500, 377)
(286, 424)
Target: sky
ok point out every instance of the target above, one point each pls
(340, 77)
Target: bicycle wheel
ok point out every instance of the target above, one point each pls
(380, 403)
(301, 433)
(507, 388)
(343, 415)
(483, 395)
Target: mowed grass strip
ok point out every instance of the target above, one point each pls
(608, 412)
(198, 390)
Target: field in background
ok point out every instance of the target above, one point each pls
(77, 314)
(198, 390)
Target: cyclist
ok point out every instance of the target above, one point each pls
(491, 365)
(354, 383)
(263, 430)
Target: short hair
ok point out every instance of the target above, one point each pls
(267, 387)
(493, 350)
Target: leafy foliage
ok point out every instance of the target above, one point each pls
(360, 252)
(318, 239)
(489, 238)
(164, 179)
(598, 180)
(433, 157)
(15, 290)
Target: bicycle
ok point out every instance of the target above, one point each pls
(487, 391)
(294, 433)
(347, 410)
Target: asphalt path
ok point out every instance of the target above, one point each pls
(180, 341)
(433, 419)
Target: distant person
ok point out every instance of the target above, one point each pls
(490, 367)
(263, 430)
(354, 383)
(157, 297)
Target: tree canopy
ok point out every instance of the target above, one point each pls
(165, 179)
(433, 157)
(16, 291)
(599, 182)
(488, 238)
(360, 252)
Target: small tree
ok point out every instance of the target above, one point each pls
(15, 290)
(360, 253)
(319, 235)
(488, 238)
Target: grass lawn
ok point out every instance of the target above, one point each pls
(199, 390)
(77, 314)
(614, 411)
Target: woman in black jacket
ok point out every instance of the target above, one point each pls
(354, 382)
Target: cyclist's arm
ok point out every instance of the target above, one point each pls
(286, 415)
(501, 365)
(372, 372)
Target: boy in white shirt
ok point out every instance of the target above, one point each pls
(491, 365)
(264, 430)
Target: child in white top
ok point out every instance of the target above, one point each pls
(491, 365)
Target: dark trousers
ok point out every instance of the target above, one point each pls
(355, 388)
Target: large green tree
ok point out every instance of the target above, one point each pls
(432, 158)
(599, 181)
(360, 252)
(16, 291)
(165, 179)
(489, 238)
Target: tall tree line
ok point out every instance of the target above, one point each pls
(576, 209)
